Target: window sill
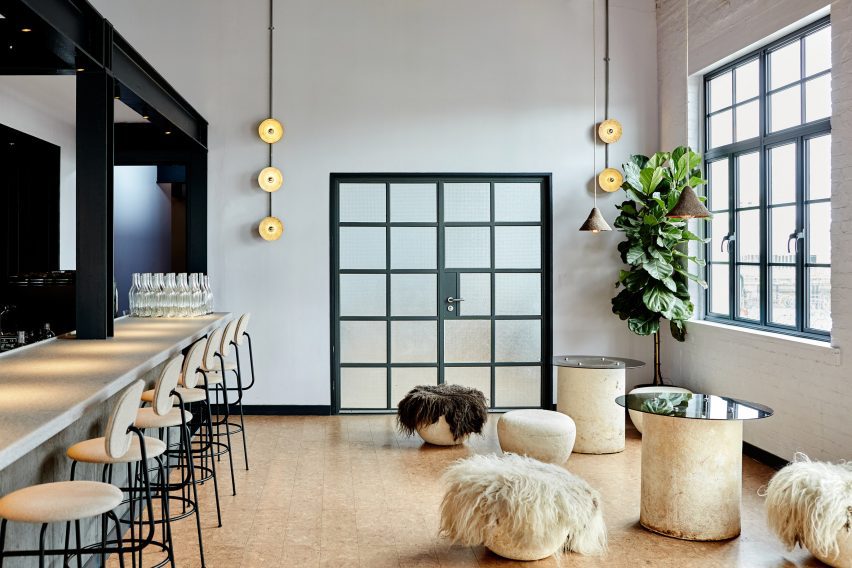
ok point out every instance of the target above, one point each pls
(823, 351)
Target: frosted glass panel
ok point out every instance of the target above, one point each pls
(476, 291)
(362, 294)
(517, 294)
(478, 378)
(362, 248)
(403, 379)
(818, 98)
(517, 202)
(467, 202)
(467, 247)
(413, 247)
(413, 294)
(517, 340)
(362, 202)
(414, 341)
(413, 202)
(363, 388)
(517, 386)
(467, 341)
(517, 247)
(363, 342)
(785, 109)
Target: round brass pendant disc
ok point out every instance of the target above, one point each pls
(271, 228)
(270, 179)
(610, 130)
(270, 131)
(610, 180)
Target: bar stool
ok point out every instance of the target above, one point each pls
(225, 365)
(240, 333)
(74, 501)
(214, 379)
(188, 395)
(138, 451)
(162, 415)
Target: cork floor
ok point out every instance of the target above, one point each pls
(347, 491)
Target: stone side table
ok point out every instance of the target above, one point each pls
(586, 390)
(692, 462)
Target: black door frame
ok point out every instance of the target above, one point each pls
(335, 179)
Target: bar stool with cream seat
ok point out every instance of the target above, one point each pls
(221, 370)
(167, 411)
(188, 394)
(213, 370)
(74, 501)
(138, 451)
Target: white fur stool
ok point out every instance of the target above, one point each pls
(635, 415)
(810, 504)
(521, 508)
(541, 434)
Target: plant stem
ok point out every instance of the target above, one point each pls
(658, 375)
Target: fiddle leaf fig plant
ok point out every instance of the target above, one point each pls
(656, 283)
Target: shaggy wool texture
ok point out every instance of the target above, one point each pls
(809, 503)
(464, 409)
(521, 499)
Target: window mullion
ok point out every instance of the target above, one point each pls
(801, 245)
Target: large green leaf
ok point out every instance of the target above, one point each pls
(644, 326)
(658, 299)
(678, 329)
(657, 268)
(636, 254)
(650, 178)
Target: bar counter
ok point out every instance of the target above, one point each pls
(48, 386)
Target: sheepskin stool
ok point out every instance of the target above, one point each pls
(444, 415)
(521, 508)
(541, 434)
(809, 504)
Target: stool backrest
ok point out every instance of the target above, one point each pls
(123, 415)
(214, 342)
(227, 338)
(242, 325)
(190, 374)
(169, 377)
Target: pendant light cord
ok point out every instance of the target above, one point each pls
(271, 31)
(606, 75)
(686, 65)
(595, 101)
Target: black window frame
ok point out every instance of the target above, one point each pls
(762, 144)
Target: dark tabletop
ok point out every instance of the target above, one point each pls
(696, 406)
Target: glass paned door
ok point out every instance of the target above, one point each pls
(440, 279)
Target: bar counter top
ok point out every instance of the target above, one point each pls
(46, 387)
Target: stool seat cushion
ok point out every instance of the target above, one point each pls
(229, 366)
(188, 395)
(809, 503)
(94, 451)
(521, 508)
(464, 410)
(60, 501)
(147, 418)
(541, 434)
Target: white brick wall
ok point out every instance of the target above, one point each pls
(808, 385)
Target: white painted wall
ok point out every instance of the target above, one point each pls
(403, 86)
(806, 383)
(25, 107)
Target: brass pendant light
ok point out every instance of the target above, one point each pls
(270, 179)
(595, 222)
(270, 228)
(270, 131)
(610, 180)
(610, 131)
(688, 205)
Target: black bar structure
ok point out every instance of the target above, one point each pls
(72, 37)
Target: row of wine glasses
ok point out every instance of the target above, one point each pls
(170, 295)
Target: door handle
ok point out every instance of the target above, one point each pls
(794, 237)
(452, 300)
(728, 239)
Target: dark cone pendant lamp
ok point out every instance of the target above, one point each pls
(595, 223)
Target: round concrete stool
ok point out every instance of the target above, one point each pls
(541, 434)
(586, 390)
(635, 415)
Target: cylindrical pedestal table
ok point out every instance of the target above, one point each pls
(692, 462)
(586, 390)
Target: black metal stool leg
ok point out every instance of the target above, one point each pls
(2, 540)
(79, 543)
(188, 451)
(118, 538)
(41, 546)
